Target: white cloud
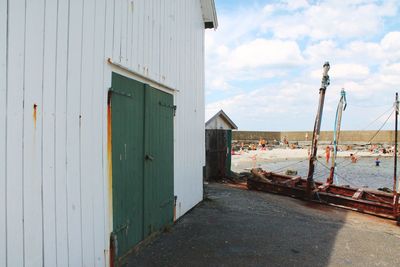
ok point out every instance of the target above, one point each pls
(296, 4)
(329, 19)
(345, 71)
(391, 74)
(263, 52)
(267, 65)
(391, 45)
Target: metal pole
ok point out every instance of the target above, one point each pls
(338, 120)
(395, 193)
(317, 128)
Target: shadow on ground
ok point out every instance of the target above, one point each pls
(234, 227)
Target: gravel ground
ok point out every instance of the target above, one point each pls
(234, 227)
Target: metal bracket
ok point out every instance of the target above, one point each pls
(173, 107)
(120, 92)
(114, 243)
(149, 157)
(122, 227)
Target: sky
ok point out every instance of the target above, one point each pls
(264, 63)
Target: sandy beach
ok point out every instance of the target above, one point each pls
(248, 159)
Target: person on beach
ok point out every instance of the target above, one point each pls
(353, 158)
(262, 143)
(285, 141)
(327, 154)
(377, 162)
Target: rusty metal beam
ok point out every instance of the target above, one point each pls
(362, 200)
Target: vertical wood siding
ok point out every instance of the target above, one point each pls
(54, 78)
(3, 109)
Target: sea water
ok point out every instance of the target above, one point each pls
(363, 173)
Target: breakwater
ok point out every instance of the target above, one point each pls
(326, 136)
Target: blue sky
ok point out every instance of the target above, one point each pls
(264, 62)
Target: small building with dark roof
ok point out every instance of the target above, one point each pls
(218, 146)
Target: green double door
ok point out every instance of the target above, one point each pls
(142, 161)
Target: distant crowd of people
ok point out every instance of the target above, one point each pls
(353, 156)
(262, 145)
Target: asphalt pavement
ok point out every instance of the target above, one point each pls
(235, 227)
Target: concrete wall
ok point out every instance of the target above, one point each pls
(345, 136)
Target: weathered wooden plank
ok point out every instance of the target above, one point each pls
(73, 133)
(146, 38)
(32, 163)
(129, 37)
(170, 57)
(133, 35)
(48, 153)
(87, 165)
(155, 40)
(60, 134)
(140, 36)
(107, 179)
(3, 129)
(15, 83)
(164, 22)
(98, 108)
(117, 33)
(124, 31)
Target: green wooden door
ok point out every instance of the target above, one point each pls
(127, 105)
(142, 161)
(158, 167)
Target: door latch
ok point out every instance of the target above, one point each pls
(149, 157)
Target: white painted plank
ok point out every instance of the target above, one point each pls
(60, 134)
(117, 33)
(132, 35)
(98, 108)
(124, 31)
(16, 22)
(151, 45)
(48, 156)
(164, 32)
(143, 37)
(107, 193)
(140, 7)
(147, 38)
(155, 42)
(129, 30)
(171, 56)
(73, 133)
(86, 126)
(33, 235)
(3, 129)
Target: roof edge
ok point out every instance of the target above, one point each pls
(223, 114)
(209, 14)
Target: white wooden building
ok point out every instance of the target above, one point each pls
(220, 121)
(57, 60)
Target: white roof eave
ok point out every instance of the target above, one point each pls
(209, 14)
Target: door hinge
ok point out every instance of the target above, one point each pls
(118, 92)
(172, 107)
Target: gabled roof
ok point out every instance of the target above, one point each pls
(225, 117)
(209, 14)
